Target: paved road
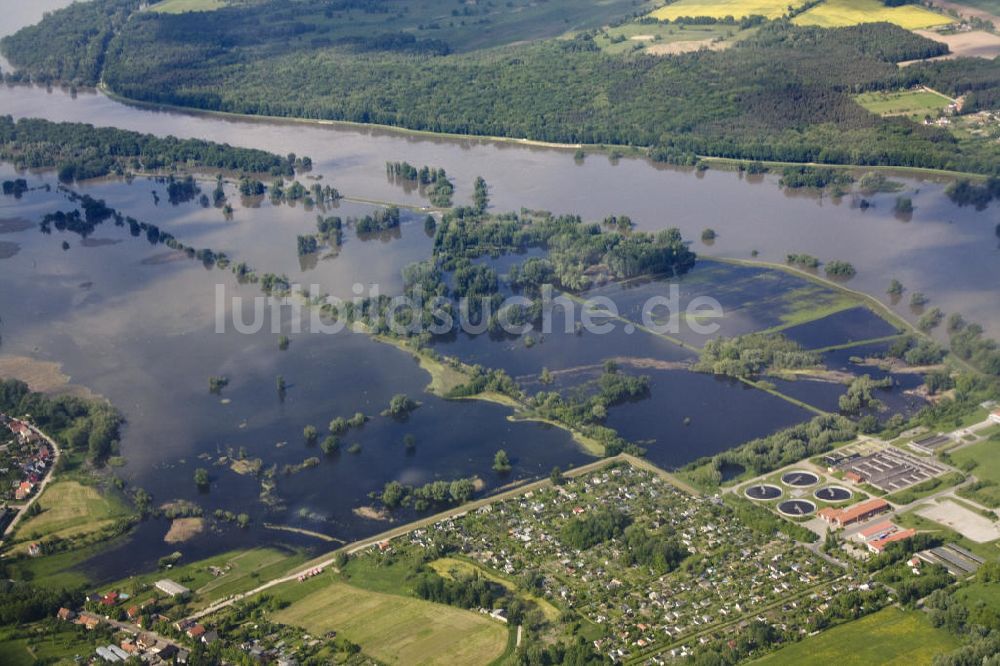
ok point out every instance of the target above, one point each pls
(41, 486)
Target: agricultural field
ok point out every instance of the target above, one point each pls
(972, 44)
(722, 8)
(396, 629)
(661, 39)
(990, 6)
(914, 104)
(181, 6)
(70, 509)
(890, 636)
(840, 13)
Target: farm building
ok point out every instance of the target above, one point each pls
(168, 586)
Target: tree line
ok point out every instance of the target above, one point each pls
(81, 151)
(782, 448)
(794, 84)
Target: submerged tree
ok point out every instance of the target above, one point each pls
(330, 444)
(501, 462)
(201, 477)
(481, 195)
(400, 406)
(310, 434)
(216, 384)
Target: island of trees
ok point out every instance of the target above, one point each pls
(79, 151)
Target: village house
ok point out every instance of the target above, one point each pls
(21, 429)
(165, 651)
(88, 620)
(146, 641)
(24, 490)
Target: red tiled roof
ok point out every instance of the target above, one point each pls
(875, 529)
(853, 513)
(880, 544)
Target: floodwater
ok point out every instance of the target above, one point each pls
(135, 322)
(747, 213)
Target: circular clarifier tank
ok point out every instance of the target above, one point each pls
(796, 507)
(799, 478)
(833, 494)
(763, 491)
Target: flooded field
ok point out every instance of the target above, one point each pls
(134, 321)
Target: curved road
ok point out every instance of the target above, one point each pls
(41, 486)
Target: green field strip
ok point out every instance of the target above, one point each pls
(858, 343)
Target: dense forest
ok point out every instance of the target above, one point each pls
(783, 94)
(79, 151)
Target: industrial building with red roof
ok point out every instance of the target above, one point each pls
(854, 514)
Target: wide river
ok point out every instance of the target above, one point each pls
(134, 323)
(947, 252)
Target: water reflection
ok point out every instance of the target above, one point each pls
(749, 212)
